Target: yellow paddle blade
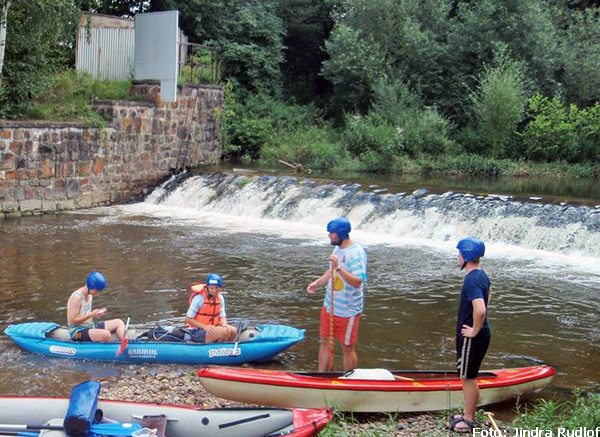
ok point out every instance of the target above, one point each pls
(338, 283)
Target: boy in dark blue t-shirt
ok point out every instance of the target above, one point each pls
(473, 331)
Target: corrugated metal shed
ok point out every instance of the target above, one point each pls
(105, 47)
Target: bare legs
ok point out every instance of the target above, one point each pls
(110, 326)
(471, 396)
(221, 334)
(350, 357)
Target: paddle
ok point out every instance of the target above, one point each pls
(490, 417)
(124, 341)
(331, 324)
(8, 433)
(110, 429)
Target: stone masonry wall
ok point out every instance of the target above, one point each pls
(54, 166)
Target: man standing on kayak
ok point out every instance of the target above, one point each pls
(346, 280)
(473, 331)
(80, 315)
(206, 315)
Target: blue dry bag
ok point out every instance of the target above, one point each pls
(81, 413)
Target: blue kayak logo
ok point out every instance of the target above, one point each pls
(225, 352)
(63, 350)
(142, 353)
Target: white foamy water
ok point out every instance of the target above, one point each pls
(301, 210)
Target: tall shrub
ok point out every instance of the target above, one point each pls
(423, 129)
(498, 104)
(376, 143)
(561, 133)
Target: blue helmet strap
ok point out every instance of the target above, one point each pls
(464, 265)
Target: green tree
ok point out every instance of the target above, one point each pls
(119, 8)
(481, 29)
(40, 40)
(498, 105)
(409, 36)
(307, 25)
(580, 58)
(247, 36)
(561, 133)
(354, 67)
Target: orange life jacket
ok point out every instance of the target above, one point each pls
(209, 312)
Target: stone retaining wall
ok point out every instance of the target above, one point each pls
(53, 166)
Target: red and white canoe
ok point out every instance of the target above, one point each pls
(181, 421)
(408, 391)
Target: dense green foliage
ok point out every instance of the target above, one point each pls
(39, 42)
(375, 86)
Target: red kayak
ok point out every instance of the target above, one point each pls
(369, 390)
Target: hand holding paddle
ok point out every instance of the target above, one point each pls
(124, 341)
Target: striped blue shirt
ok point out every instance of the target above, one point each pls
(350, 300)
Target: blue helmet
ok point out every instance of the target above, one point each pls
(340, 226)
(95, 281)
(214, 279)
(471, 248)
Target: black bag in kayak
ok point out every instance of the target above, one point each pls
(158, 333)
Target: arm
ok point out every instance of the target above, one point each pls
(349, 278)
(479, 312)
(198, 324)
(319, 282)
(223, 312)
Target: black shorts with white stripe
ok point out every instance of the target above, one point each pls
(470, 353)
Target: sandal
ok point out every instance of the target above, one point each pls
(454, 418)
(467, 427)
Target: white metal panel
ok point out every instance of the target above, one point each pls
(105, 52)
(157, 50)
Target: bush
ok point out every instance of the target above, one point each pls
(423, 130)
(254, 122)
(377, 144)
(315, 147)
(498, 105)
(559, 133)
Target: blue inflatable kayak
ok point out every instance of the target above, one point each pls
(51, 339)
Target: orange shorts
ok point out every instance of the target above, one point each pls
(345, 329)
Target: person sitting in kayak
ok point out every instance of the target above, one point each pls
(80, 316)
(206, 315)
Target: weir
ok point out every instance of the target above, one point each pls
(560, 228)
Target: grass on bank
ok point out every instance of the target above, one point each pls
(583, 410)
(68, 97)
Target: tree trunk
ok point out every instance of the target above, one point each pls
(3, 22)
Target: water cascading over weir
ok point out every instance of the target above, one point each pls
(560, 228)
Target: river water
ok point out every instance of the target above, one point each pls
(266, 237)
